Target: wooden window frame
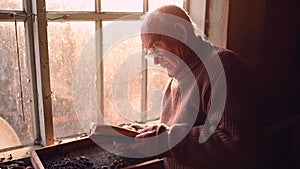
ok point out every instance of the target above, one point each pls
(35, 18)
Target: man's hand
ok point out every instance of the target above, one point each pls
(146, 143)
(132, 126)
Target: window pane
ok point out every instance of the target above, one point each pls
(122, 5)
(11, 5)
(66, 41)
(15, 121)
(122, 72)
(157, 81)
(70, 5)
(153, 4)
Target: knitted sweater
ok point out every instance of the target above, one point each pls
(236, 140)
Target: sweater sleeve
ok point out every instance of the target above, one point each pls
(233, 138)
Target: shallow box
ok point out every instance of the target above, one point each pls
(85, 153)
(16, 164)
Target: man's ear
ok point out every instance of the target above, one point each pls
(183, 31)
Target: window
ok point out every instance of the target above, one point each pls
(157, 81)
(121, 72)
(156, 3)
(70, 5)
(122, 79)
(66, 41)
(122, 6)
(15, 99)
(11, 5)
(130, 88)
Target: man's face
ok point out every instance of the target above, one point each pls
(165, 55)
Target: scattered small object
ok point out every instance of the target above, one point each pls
(59, 141)
(69, 162)
(19, 164)
(85, 154)
(104, 167)
(116, 164)
(16, 166)
(83, 134)
(10, 157)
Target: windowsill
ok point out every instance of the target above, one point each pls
(20, 153)
(67, 140)
(25, 152)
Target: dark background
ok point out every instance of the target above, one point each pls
(266, 35)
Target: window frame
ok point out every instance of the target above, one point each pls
(35, 19)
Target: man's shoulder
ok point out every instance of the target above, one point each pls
(229, 57)
(233, 64)
(224, 52)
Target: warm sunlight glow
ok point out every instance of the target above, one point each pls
(122, 5)
(11, 5)
(70, 5)
(156, 3)
(107, 5)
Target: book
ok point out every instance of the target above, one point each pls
(112, 132)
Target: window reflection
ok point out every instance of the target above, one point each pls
(122, 65)
(11, 5)
(153, 4)
(70, 5)
(66, 41)
(122, 5)
(16, 119)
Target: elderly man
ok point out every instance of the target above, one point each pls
(210, 108)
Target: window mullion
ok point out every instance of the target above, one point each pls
(8, 15)
(145, 6)
(91, 16)
(144, 94)
(144, 88)
(29, 42)
(186, 5)
(43, 72)
(99, 54)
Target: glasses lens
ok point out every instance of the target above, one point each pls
(149, 54)
(154, 52)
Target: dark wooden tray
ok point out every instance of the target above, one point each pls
(42, 157)
(20, 163)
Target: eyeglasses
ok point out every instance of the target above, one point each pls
(154, 52)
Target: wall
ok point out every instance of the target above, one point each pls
(265, 34)
(197, 12)
(245, 30)
(278, 68)
(216, 27)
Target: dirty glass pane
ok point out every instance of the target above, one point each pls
(122, 5)
(122, 72)
(70, 5)
(156, 3)
(157, 82)
(66, 41)
(11, 5)
(157, 77)
(15, 119)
